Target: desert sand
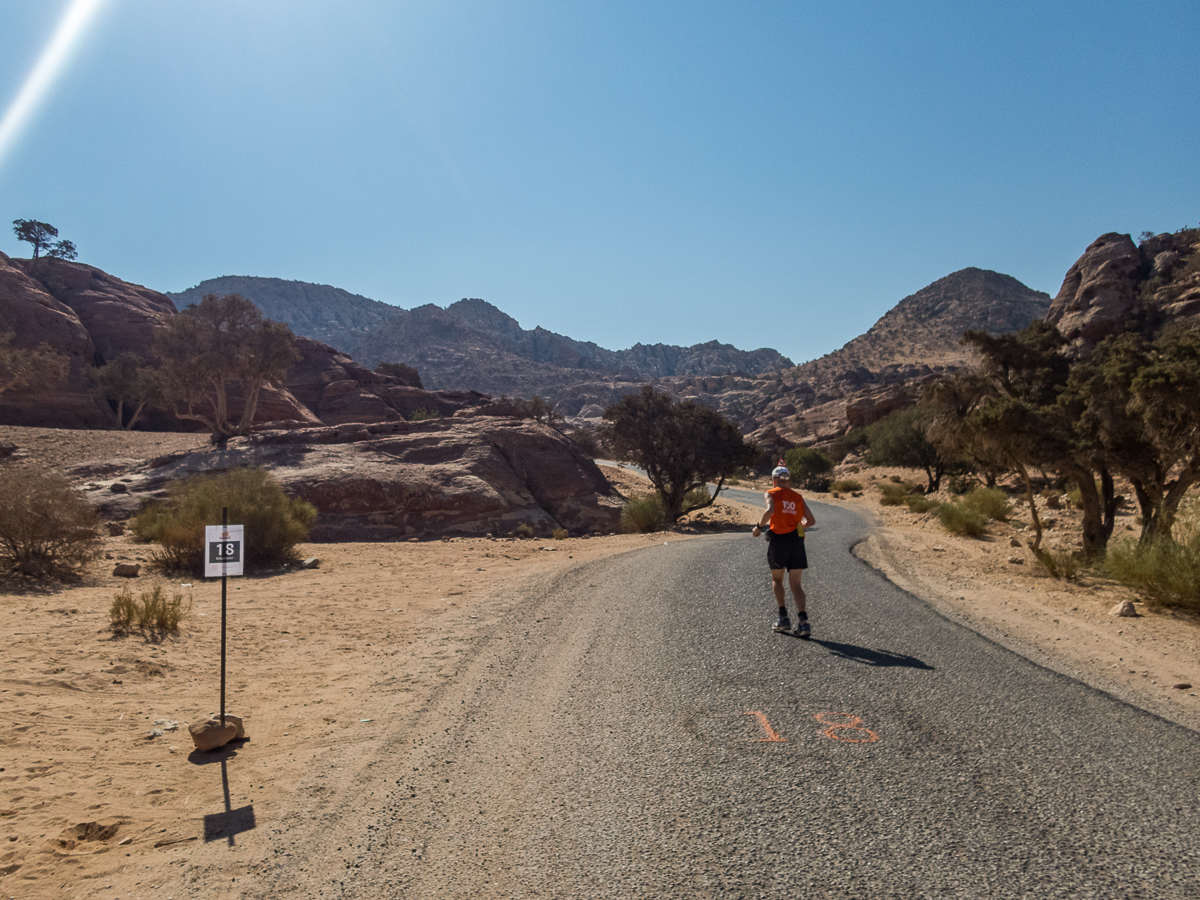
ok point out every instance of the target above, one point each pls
(101, 794)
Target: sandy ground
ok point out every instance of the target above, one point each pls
(101, 794)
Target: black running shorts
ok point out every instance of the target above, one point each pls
(786, 551)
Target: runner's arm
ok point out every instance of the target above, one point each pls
(766, 517)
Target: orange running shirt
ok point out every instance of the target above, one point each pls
(786, 511)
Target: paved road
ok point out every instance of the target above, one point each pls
(640, 732)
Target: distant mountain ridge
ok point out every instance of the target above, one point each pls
(471, 344)
(318, 311)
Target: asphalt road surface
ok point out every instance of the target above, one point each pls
(639, 731)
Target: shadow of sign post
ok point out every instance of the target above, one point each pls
(230, 822)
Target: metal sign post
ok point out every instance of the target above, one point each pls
(223, 544)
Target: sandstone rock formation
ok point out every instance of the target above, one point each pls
(36, 317)
(1098, 292)
(387, 481)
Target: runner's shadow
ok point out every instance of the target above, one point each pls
(880, 658)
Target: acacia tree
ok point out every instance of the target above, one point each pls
(220, 342)
(681, 445)
(37, 368)
(129, 385)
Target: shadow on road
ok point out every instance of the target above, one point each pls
(881, 658)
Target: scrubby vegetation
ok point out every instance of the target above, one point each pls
(642, 515)
(274, 523)
(958, 518)
(810, 468)
(990, 502)
(47, 528)
(1165, 570)
(150, 612)
(846, 486)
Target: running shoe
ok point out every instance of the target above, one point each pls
(783, 624)
(803, 629)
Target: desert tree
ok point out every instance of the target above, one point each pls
(129, 385)
(902, 439)
(33, 369)
(211, 346)
(40, 234)
(1139, 403)
(681, 445)
(1015, 413)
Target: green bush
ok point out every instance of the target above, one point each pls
(274, 522)
(524, 531)
(421, 415)
(1165, 571)
(957, 518)
(894, 494)
(990, 502)
(919, 503)
(149, 612)
(808, 468)
(643, 515)
(559, 534)
(47, 528)
(846, 486)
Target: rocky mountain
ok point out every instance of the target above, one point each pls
(323, 313)
(1116, 280)
(473, 345)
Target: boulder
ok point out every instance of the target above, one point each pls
(1125, 609)
(210, 734)
(397, 480)
(127, 570)
(1098, 293)
(866, 410)
(235, 721)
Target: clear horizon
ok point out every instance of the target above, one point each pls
(770, 175)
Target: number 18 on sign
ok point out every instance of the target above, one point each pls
(224, 545)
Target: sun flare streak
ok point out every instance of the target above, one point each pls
(49, 66)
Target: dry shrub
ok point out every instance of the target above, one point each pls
(846, 486)
(524, 530)
(559, 534)
(990, 502)
(643, 515)
(962, 520)
(274, 522)
(894, 493)
(1166, 572)
(150, 612)
(47, 528)
(919, 503)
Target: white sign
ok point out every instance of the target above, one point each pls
(224, 550)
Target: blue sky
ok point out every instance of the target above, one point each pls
(772, 174)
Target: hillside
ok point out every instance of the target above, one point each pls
(921, 333)
(318, 311)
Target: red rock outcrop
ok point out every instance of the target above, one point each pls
(1098, 293)
(395, 480)
(119, 317)
(35, 317)
(339, 390)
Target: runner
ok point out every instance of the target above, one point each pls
(788, 515)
